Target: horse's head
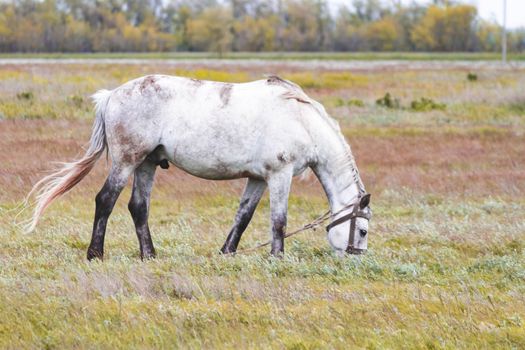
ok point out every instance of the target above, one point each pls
(349, 232)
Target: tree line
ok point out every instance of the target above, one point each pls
(245, 25)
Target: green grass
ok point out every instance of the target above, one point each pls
(436, 276)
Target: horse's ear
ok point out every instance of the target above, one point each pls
(365, 201)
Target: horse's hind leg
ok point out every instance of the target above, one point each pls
(250, 198)
(139, 206)
(105, 201)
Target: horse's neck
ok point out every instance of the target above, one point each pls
(341, 189)
(339, 177)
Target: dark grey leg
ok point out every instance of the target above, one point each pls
(252, 195)
(139, 206)
(105, 201)
(279, 185)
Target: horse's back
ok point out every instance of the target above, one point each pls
(210, 129)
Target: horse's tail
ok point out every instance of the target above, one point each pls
(69, 174)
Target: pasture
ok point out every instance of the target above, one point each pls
(442, 151)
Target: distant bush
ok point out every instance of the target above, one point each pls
(355, 102)
(472, 77)
(76, 100)
(426, 104)
(351, 102)
(25, 95)
(422, 105)
(388, 101)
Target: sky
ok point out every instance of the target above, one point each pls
(493, 9)
(488, 9)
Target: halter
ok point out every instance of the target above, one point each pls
(352, 216)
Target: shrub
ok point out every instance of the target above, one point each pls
(426, 104)
(472, 77)
(339, 102)
(76, 100)
(25, 95)
(388, 101)
(355, 102)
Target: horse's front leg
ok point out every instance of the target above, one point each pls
(279, 186)
(250, 198)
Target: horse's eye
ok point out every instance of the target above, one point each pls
(363, 232)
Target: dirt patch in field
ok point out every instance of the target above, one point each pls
(445, 163)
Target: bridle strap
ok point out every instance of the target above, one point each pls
(351, 234)
(347, 217)
(352, 216)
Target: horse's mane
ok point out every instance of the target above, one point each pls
(348, 160)
(294, 91)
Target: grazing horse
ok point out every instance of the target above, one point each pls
(267, 131)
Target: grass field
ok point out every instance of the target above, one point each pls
(443, 156)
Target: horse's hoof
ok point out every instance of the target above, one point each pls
(225, 250)
(148, 256)
(92, 254)
(279, 254)
(95, 254)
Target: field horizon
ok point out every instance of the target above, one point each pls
(276, 55)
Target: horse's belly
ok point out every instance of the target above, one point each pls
(216, 172)
(213, 163)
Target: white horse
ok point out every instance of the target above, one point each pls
(267, 131)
